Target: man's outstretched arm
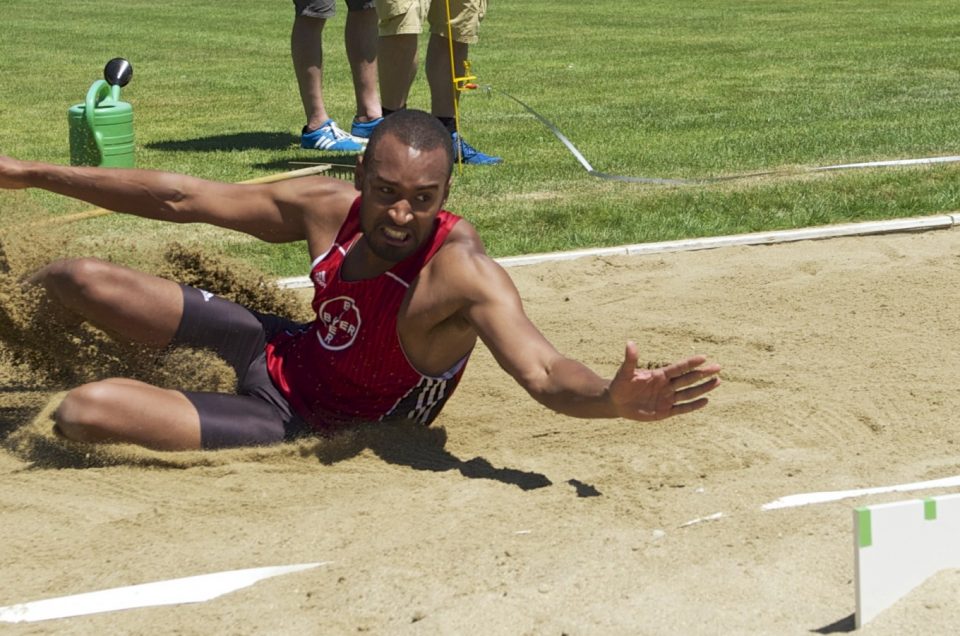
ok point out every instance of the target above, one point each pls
(272, 212)
(566, 385)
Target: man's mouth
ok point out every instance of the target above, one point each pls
(394, 235)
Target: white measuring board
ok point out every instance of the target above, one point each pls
(900, 545)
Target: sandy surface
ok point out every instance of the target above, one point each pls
(841, 366)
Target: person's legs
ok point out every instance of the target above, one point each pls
(120, 410)
(360, 39)
(132, 306)
(464, 24)
(398, 68)
(306, 51)
(442, 93)
(130, 411)
(399, 25)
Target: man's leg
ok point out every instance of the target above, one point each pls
(119, 410)
(360, 39)
(154, 311)
(123, 302)
(132, 306)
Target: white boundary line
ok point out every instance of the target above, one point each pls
(805, 499)
(914, 224)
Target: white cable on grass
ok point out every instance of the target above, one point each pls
(894, 162)
(708, 180)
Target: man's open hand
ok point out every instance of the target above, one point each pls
(655, 394)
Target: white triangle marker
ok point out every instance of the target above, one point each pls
(191, 589)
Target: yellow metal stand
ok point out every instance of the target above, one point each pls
(460, 84)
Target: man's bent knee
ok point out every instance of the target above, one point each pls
(84, 413)
(72, 277)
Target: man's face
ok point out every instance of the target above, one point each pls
(403, 189)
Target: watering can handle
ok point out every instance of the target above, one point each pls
(98, 91)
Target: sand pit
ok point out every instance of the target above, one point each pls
(841, 363)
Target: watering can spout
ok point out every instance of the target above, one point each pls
(118, 72)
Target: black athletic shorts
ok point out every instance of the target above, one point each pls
(258, 414)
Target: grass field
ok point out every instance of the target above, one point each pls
(649, 88)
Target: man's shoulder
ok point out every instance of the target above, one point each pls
(320, 187)
(462, 261)
(324, 197)
(462, 242)
(311, 191)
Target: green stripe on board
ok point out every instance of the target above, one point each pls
(930, 509)
(865, 533)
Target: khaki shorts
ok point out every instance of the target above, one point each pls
(403, 17)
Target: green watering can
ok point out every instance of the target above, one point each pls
(101, 128)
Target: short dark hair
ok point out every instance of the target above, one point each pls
(415, 128)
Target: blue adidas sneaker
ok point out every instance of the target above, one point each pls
(363, 129)
(329, 136)
(470, 155)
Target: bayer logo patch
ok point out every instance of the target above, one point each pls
(338, 323)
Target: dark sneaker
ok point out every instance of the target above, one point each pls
(329, 136)
(462, 151)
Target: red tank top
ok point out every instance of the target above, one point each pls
(347, 366)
